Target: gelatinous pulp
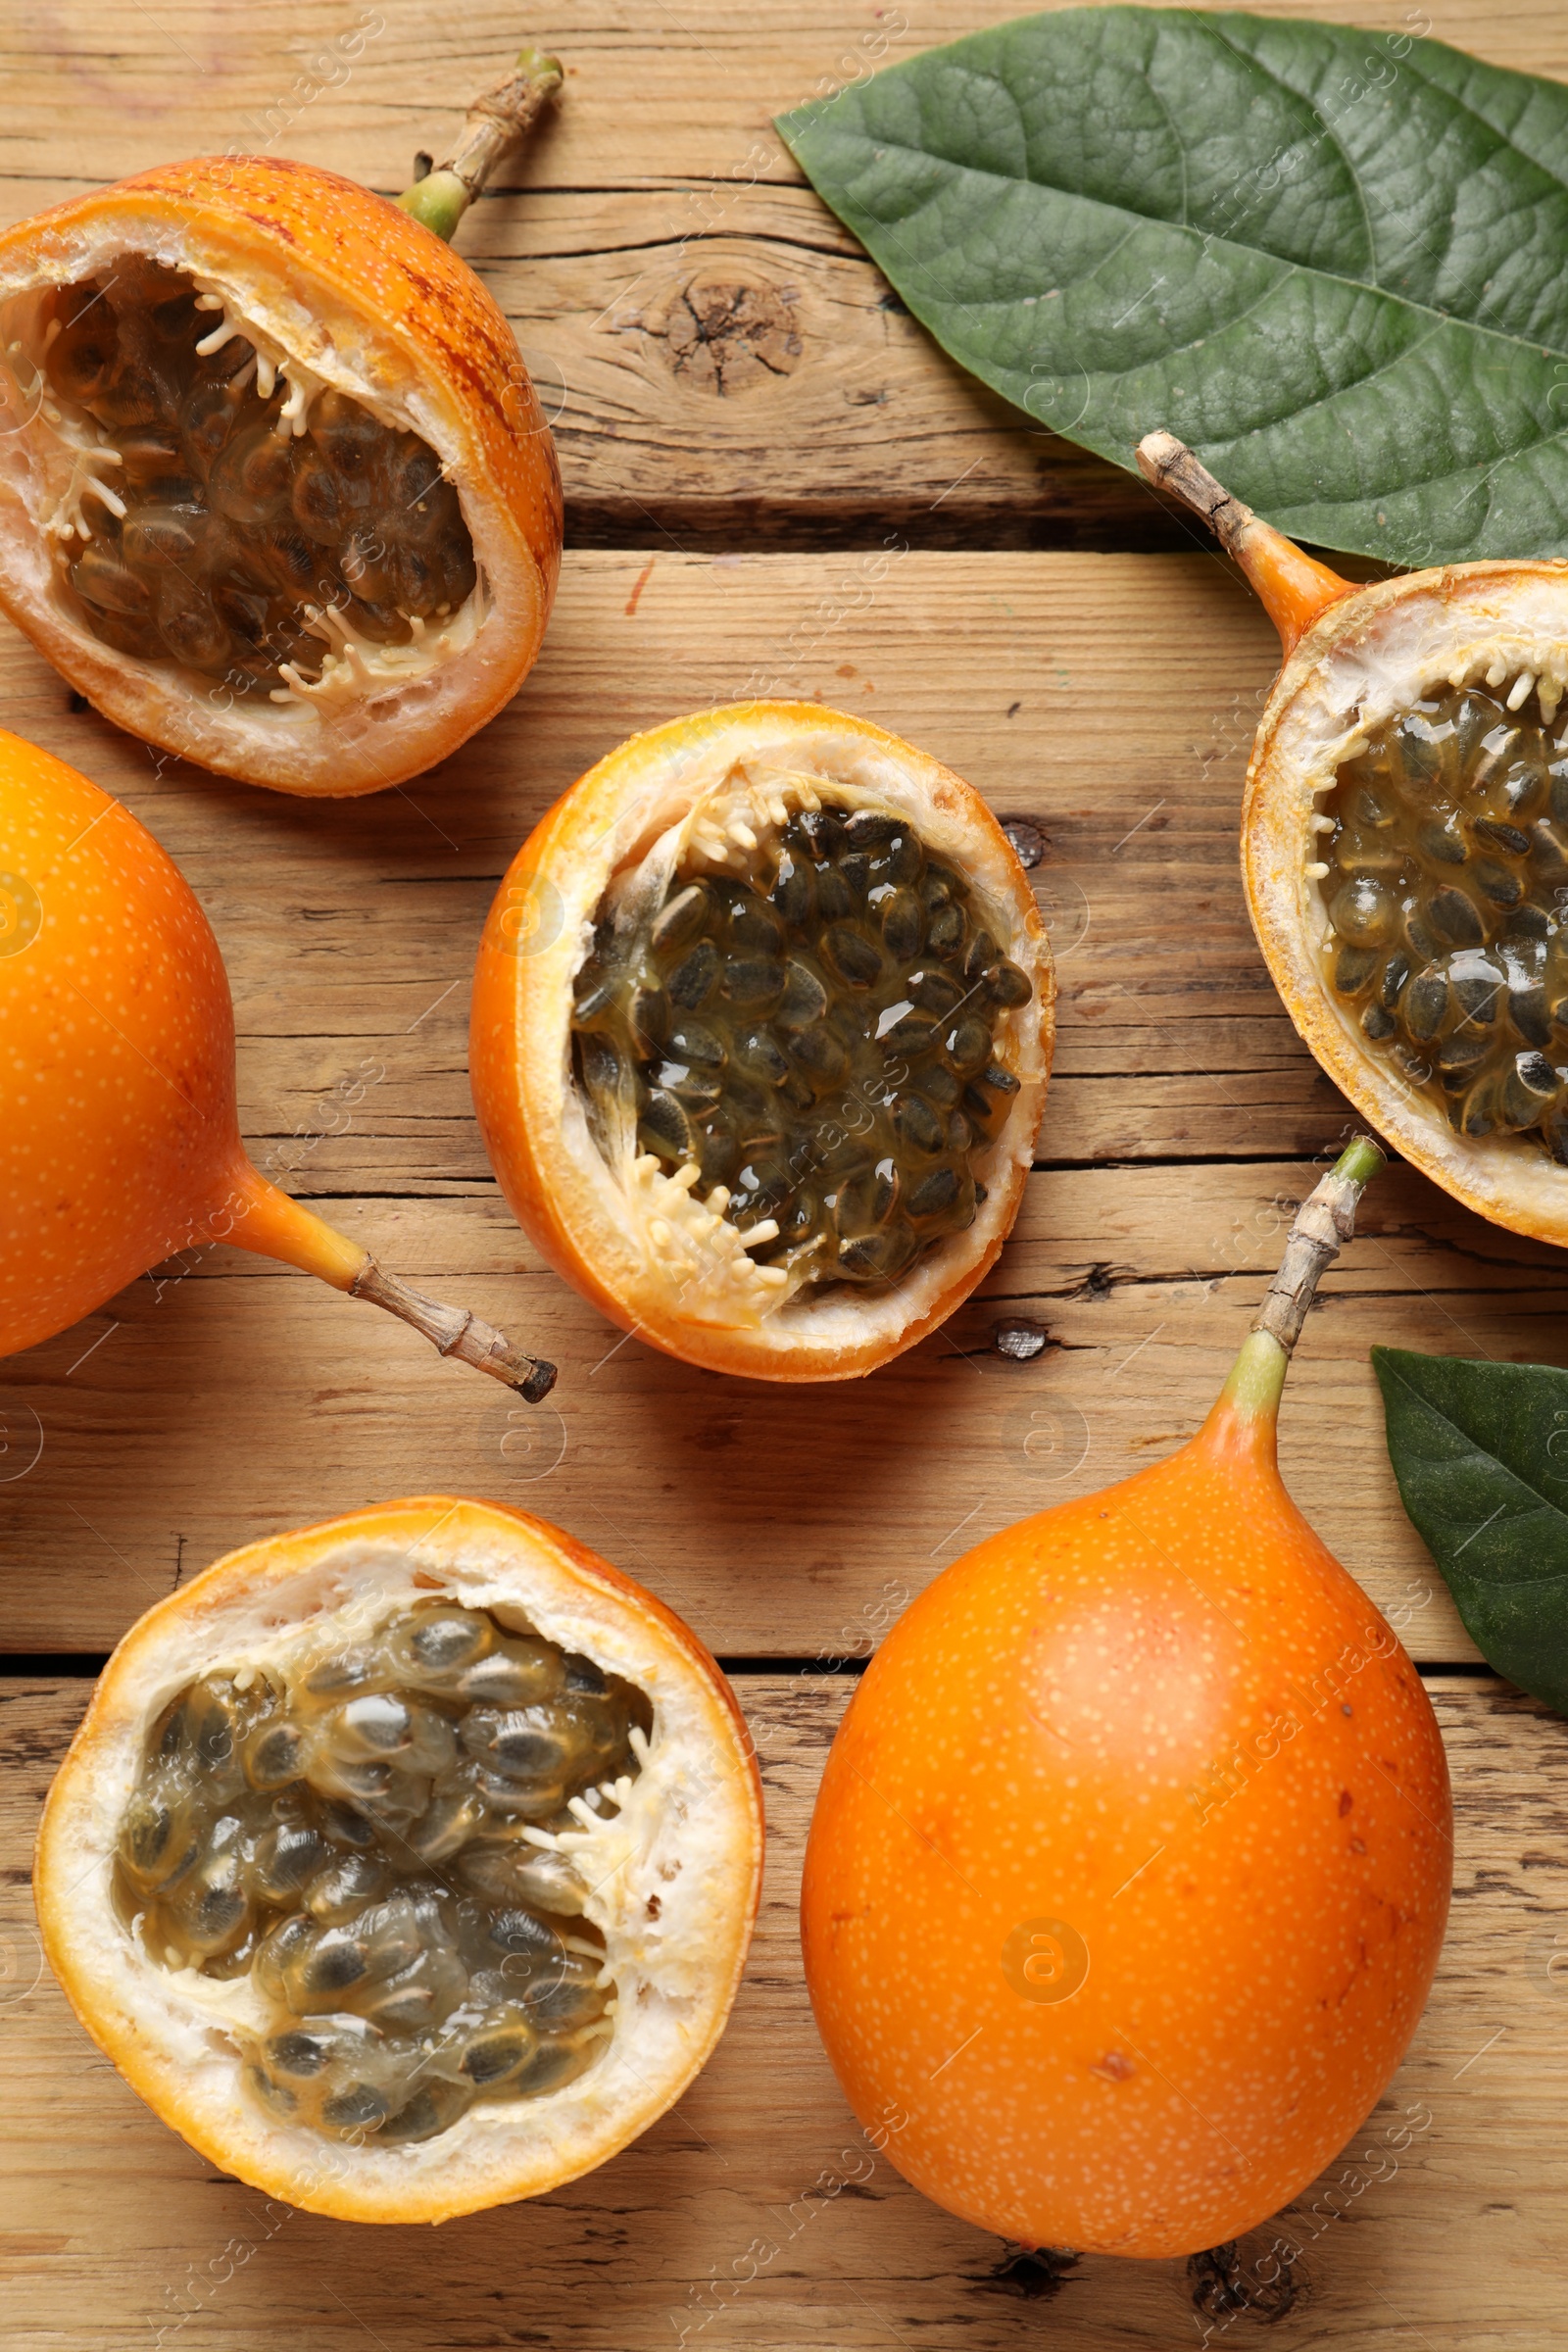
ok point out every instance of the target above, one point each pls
(356, 1838)
(819, 1043)
(220, 530)
(1446, 845)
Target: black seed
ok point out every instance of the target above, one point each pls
(296, 2053)
(935, 1194)
(877, 1257)
(595, 990)
(1477, 989)
(696, 976)
(754, 981)
(968, 1042)
(981, 955)
(1395, 972)
(936, 890)
(912, 1032)
(917, 1123)
(359, 2108)
(941, 1086)
(681, 918)
(1000, 1081)
(1557, 773)
(805, 999)
(757, 1057)
(1477, 1116)
(1008, 984)
(649, 1020)
(955, 885)
(855, 867)
(751, 928)
(1443, 843)
(936, 990)
(1526, 1090)
(1509, 837)
(494, 2058)
(1527, 1009)
(1427, 1003)
(696, 1044)
(905, 862)
(1353, 967)
(823, 829)
(851, 956)
(665, 1127)
(1378, 1024)
(836, 901)
(867, 830)
(1528, 922)
(903, 925)
(960, 1133)
(1459, 1055)
(1454, 918)
(336, 1963)
(602, 1066)
(519, 1931)
(276, 1756)
(818, 1051)
(795, 892)
(945, 934)
(1495, 883)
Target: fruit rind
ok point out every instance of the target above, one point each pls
(677, 1875)
(359, 296)
(594, 1233)
(1365, 659)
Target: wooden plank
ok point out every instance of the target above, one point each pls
(1438, 2226)
(230, 1397)
(661, 182)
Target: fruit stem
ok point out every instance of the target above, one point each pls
(493, 125)
(1320, 1230)
(255, 1215)
(1294, 587)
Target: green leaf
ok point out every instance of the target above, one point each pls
(1481, 1455)
(1331, 260)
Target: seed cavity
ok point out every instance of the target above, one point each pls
(819, 1045)
(1445, 865)
(372, 1841)
(218, 523)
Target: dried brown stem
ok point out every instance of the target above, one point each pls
(494, 125)
(1169, 464)
(455, 1331)
(1320, 1229)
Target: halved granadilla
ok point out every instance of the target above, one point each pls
(761, 1028)
(276, 491)
(408, 1863)
(1405, 848)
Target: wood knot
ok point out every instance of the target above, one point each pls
(727, 336)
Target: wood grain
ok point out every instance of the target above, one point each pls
(659, 200)
(227, 1396)
(1439, 2225)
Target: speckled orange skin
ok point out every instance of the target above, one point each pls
(324, 262)
(1166, 1717)
(120, 1143)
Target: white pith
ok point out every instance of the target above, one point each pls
(733, 828)
(669, 1858)
(354, 669)
(1362, 664)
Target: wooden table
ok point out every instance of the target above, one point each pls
(748, 423)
